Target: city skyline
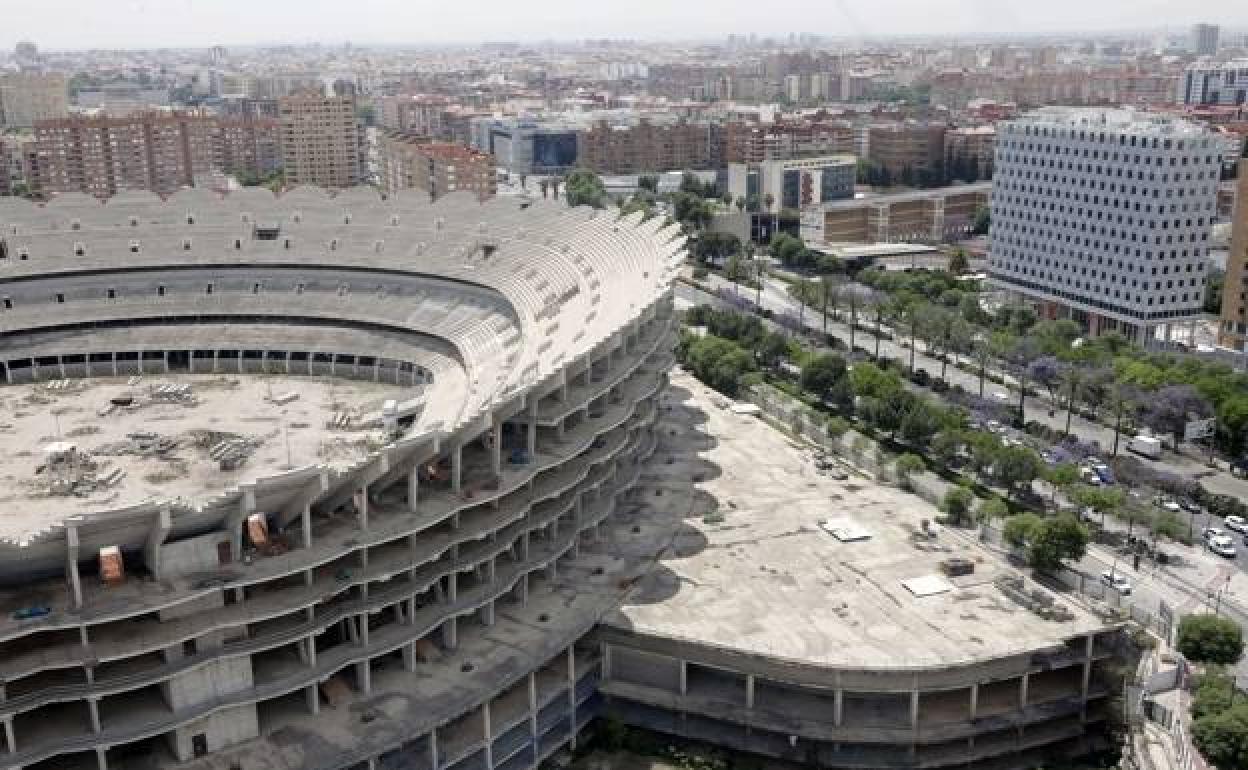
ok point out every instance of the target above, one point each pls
(195, 23)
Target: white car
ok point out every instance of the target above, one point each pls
(1001, 395)
(1211, 532)
(1221, 545)
(1236, 523)
(1116, 581)
(1171, 506)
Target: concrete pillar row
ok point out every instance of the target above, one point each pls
(531, 437)
(361, 507)
(9, 735)
(496, 447)
(605, 651)
(364, 677)
(1022, 690)
(457, 468)
(433, 749)
(450, 636)
(914, 709)
(974, 700)
(488, 731)
(413, 489)
(533, 707)
(101, 757)
(838, 706)
(93, 707)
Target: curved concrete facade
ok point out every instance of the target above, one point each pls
(411, 616)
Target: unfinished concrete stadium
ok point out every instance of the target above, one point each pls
(341, 481)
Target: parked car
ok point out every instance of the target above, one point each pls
(1116, 581)
(1221, 545)
(1236, 523)
(1209, 532)
(1167, 504)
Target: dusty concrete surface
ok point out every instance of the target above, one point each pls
(753, 569)
(161, 445)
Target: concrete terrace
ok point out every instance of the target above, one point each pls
(769, 581)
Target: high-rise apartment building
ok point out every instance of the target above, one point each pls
(322, 140)
(1104, 216)
(413, 162)
(1204, 39)
(1234, 327)
(906, 147)
(1208, 83)
(158, 151)
(28, 97)
(611, 148)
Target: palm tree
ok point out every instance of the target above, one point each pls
(829, 294)
(545, 185)
(769, 200)
(853, 300)
(881, 310)
(981, 350)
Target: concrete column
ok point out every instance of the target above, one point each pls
(364, 677)
(533, 708)
(488, 732)
(605, 651)
(165, 357)
(838, 707)
(572, 692)
(93, 706)
(1022, 690)
(60, 363)
(749, 691)
(216, 362)
(310, 644)
(433, 749)
(531, 438)
(71, 567)
(522, 586)
(413, 489)
(101, 758)
(914, 709)
(496, 448)
(307, 525)
(9, 735)
(450, 637)
(361, 507)
(974, 700)
(457, 468)
(684, 677)
(487, 614)
(409, 656)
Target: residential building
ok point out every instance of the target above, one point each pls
(1213, 83)
(1234, 327)
(794, 184)
(409, 161)
(908, 147)
(941, 215)
(648, 145)
(1205, 39)
(422, 114)
(28, 97)
(968, 152)
(1104, 216)
(753, 142)
(322, 140)
(158, 151)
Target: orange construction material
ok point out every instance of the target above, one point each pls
(257, 530)
(112, 568)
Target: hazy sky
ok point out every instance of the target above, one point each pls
(153, 23)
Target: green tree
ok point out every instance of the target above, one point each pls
(1104, 500)
(991, 509)
(957, 505)
(718, 362)
(907, 465)
(740, 202)
(981, 221)
(1057, 539)
(1021, 528)
(1016, 467)
(945, 447)
(583, 187)
(1210, 639)
(1061, 477)
(822, 373)
(958, 262)
(1223, 737)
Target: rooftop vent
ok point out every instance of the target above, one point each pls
(246, 217)
(394, 220)
(378, 245)
(134, 247)
(333, 244)
(266, 232)
(190, 219)
(186, 244)
(79, 249)
(134, 221)
(75, 224)
(297, 217)
(346, 218)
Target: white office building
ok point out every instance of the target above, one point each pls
(1221, 83)
(1104, 216)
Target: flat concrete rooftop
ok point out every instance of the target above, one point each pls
(70, 450)
(769, 580)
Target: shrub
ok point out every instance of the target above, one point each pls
(1021, 528)
(957, 505)
(1210, 639)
